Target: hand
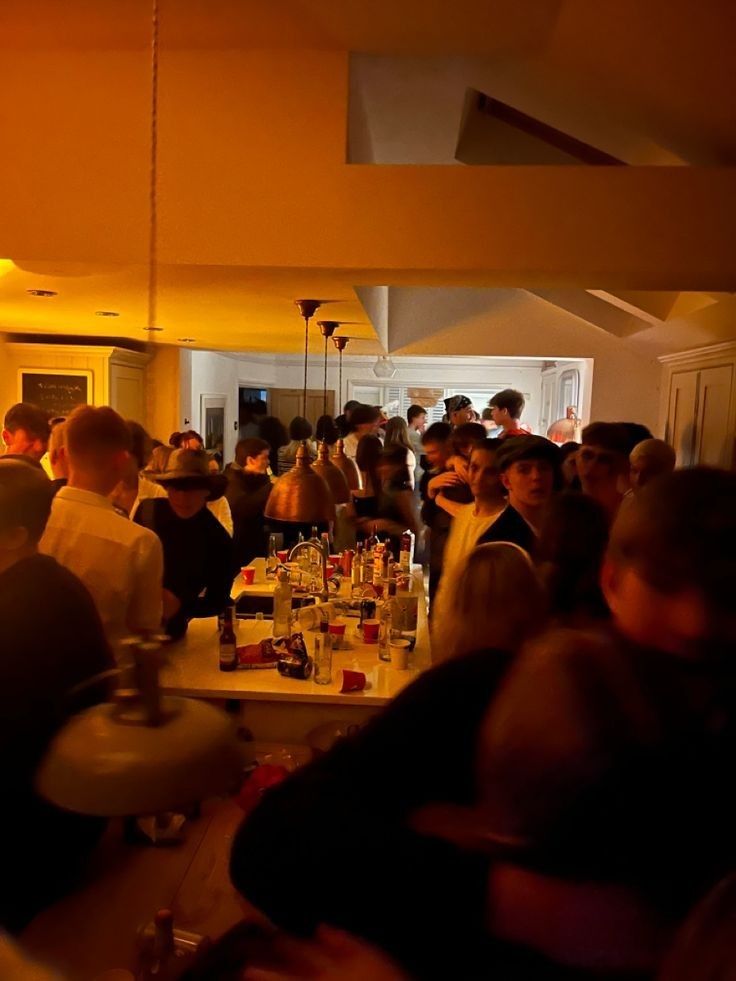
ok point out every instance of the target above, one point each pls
(172, 604)
(333, 956)
(447, 479)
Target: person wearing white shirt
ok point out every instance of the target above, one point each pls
(469, 522)
(120, 563)
(364, 421)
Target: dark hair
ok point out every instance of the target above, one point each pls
(25, 498)
(350, 405)
(394, 455)
(25, 415)
(367, 456)
(300, 428)
(611, 436)
(487, 413)
(468, 434)
(327, 430)
(175, 440)
(636, 433)
(274, 432)
(509, 399)
(567, 449)
(96, 431)
(570, 551)
(517, 448)
(413, 411)
(681, 533)
(438, 432)
(397, 434)
(364, 414)
(190, 434)
(490, 445)
(252, 446)
(141, 444)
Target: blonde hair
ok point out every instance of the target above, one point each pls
(498, 601)
(57, 438)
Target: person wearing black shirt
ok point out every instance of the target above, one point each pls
(198, 552)
(248, 490)
(52, 646)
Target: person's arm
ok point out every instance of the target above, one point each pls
(446, 479)
(451, 507)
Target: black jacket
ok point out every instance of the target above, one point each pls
(247, 494)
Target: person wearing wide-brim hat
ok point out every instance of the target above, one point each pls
(198, 553)
(190, 468)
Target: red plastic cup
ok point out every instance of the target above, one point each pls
(248, 573)
(370, 631)
(283, 555)
(351, 680)
(337, 630)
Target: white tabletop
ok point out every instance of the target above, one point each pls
(192, 667)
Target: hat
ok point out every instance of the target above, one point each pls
(516, 448)
(456, 402)
(192, 467)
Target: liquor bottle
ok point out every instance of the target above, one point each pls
(313, 557)
(272, 563)
(282, 606)
(371, 543)
(228, 641)
(386, 627)
(379, 554)
(405, 553)
(356, 573)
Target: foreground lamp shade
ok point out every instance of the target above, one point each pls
(301, 496)
(332, 475)
(566, 430)
(348, 467)
(103, 765)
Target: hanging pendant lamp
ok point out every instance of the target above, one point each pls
(301, 496)
(340, 343)
(327, 328)
(566, 430)
(307, 308)
(348, 467)
(332, 475)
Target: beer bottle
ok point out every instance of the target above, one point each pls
(228, 641)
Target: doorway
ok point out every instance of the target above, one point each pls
(253, 404)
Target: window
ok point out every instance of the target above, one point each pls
(568, 392)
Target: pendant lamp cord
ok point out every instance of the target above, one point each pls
(153, 175)
(324, 386)
(306, 356)
(339, 383)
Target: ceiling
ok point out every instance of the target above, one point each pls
(261, 106)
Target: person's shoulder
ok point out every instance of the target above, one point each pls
(55, 581)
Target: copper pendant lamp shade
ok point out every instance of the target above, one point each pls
(566, 430)
(332, 475)
(348, 467)
(301, 496)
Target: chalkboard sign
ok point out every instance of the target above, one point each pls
(57, 394)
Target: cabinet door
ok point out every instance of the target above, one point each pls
(681, 415)
(126, 391)
(714, 438)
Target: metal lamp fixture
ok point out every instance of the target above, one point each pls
(141, 754)
(348, 467)
(307, 308)
(333, 476)
(340, 343)
(301, 496)
(327, 328)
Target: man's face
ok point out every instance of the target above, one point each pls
(187, 501)
(437, 454)
(420, 422)
(499, 416)
(259, 463)
(460, 416)
(482, 475)
(368, 428)
(25, 443)
(597, 467)
(529, 482)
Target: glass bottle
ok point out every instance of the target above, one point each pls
(282, 606)
(272, 562)
(386, 628)
(323, 655)
(228, 641)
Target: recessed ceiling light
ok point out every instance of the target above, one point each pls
(42, 292)
(106, 313)
(187, 340)
(151, 329)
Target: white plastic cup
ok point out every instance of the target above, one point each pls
(399, 652)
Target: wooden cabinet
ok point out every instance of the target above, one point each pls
(699, 405)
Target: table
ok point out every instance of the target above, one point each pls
(286, 709)
(95, 928)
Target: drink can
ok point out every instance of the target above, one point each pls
(367, 610)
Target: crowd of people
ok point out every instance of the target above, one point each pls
(548, 801)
